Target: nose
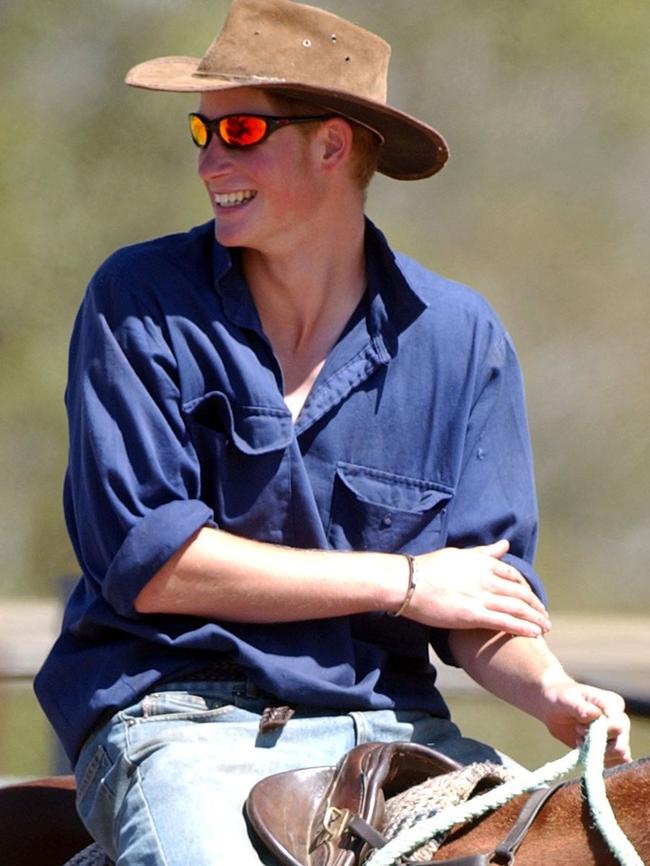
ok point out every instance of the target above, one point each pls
(214, 160)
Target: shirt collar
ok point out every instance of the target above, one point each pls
(393, 303)
(232, 287)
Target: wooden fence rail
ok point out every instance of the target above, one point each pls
(612, 651)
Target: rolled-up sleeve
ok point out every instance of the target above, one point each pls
(495, 497)
(133, 481)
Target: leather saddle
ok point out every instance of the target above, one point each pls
(331, 816)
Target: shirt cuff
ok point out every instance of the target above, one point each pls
(527, 571)
(147, 547)
(439, 640)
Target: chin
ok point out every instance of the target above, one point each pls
(228, 238)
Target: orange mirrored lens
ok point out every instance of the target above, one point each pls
(242, 130)
(198, 130)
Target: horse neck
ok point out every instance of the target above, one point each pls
(562, 834)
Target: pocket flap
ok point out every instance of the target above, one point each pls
(397, 492)
(251, 429)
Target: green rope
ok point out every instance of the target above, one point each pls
(591, 756)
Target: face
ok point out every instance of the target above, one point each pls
(263, 197)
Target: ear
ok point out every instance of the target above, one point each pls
(335, 141)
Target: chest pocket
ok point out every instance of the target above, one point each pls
(384, 512)
(251, 430)
(242, 451)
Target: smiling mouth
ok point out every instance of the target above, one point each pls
(232, 199)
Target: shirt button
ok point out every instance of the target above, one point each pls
(387, 520)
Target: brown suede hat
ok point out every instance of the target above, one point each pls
(306, 53)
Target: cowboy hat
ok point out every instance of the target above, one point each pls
(306, 53)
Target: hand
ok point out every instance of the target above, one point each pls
(572, 706)
(473, 588)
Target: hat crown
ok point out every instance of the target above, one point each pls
(278, 40)
(305, 53)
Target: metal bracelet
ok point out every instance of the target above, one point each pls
(413, 579)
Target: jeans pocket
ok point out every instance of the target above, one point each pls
(91, 775)
(101, 783)
(95, 797)
(171, 706)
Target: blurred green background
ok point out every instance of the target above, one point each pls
(543, 208)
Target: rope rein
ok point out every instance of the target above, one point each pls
(591, 756)
(599, 806)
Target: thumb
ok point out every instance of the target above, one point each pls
(496, 549)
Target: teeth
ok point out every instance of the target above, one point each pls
(231, 199)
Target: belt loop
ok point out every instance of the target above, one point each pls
(361, 727)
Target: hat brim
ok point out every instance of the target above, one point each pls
(411, 149)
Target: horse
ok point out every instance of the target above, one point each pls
(563, 833)
(39, 824)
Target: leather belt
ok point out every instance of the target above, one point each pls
(224, 670)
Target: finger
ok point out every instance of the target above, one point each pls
(610, 703)
(509, 572)
(612, 706)
(519, 610)
(618, 739)
(496, 619)
(516, 586)
(617, 750)
(521, 591)
(515, 627)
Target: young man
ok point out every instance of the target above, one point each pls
(298, 460)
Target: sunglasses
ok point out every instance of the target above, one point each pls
(241, 130)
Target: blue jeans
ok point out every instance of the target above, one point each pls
(164, 782)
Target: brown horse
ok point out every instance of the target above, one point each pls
(39, 824)
(563, 833)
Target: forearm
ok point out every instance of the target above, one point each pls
(217, 575)
(524, 672)
(222, 576)
(518, 670)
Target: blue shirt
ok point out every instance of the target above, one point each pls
(414, 437)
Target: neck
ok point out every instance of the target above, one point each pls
(305, 299)
(296, 286)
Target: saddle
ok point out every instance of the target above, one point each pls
(331, 816)
(337, 816)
